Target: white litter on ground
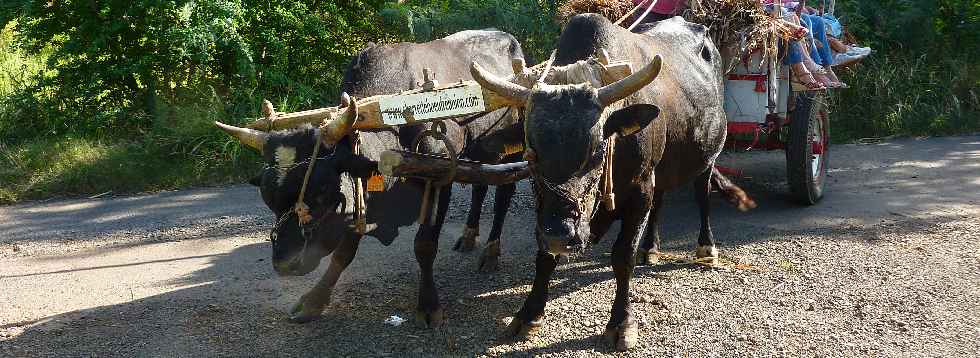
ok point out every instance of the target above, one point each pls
(394, 321)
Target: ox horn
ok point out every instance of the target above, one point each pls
(518, 65)
(250, 137)
(513, 93)
(618, 90)
(342, 126)
(344, 99)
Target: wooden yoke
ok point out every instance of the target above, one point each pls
(431, 103)
(410, 107)
(458, 99)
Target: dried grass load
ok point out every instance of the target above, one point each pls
(611, 9)
(739, 25)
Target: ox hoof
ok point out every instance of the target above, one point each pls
(490, 257)
(645, 257)
(518, 329)
(434, 319)
(309, 308)
(488, 264)
(563, 259)
(467, 242)
(707, 254)
(624, 336)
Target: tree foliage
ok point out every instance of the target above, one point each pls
(121, 68)
(532, 22)
(923, 78)
(115, 64)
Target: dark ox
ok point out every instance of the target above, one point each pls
(667, 132)
(383, 69)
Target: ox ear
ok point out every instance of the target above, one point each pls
(630, 120)
(356, 165)
(256, 180)
(500, 144)
(359, 166)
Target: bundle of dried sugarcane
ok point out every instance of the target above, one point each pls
(611, 9)
(741, 25)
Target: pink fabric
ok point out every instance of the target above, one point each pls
(666, 7)
(788, 3)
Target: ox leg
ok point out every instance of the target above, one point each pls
(430, 312)
(501, 203)
(649, 252)
(467, 242)
(706, 243)
(311, 305)
(531, 316)
(622, 329)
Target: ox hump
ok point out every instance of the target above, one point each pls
(285, 157)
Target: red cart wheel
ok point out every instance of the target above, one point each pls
(807, 148)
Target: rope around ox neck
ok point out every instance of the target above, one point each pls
(301, 209)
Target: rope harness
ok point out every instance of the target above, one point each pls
(305, 228)
(575, 200)
(608, 197)
(360, 208)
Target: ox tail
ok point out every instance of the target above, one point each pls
(735, 195)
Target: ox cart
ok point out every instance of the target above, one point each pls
(765, 112)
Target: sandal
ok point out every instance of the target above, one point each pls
(833, 81)
(806, 82)
(820, 75)
(799, 34)
(811, 86)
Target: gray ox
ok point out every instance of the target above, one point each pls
(385, 69)
(668, 131)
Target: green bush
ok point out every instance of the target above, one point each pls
(532, 22)
(87, 88)
(113, 65)
(923, 78)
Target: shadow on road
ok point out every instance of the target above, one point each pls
(235, 306)
(163, 213)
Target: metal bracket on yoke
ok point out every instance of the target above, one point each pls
(429, 80)
(437, 131)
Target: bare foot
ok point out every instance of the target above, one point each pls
(804, 77)
(833, 77)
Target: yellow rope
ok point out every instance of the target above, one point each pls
(303, 211)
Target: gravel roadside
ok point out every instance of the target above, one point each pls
(887, 265)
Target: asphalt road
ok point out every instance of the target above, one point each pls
(886, 265)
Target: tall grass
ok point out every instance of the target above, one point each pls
(181, 148)
(908, 95)
(69, 166)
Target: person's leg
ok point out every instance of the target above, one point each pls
(837, 45)
(795, 57)
(793, 53)
(822, 54)
(818, 72)
(810, 40)
(819, 31)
